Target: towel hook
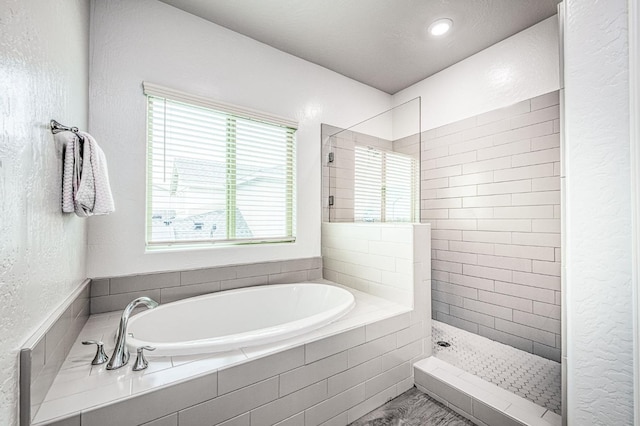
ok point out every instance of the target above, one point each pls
(57, 127)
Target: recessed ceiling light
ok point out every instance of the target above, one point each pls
(440, 27)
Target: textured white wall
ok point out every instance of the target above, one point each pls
(598, 215)
(43, 75)
(146, 40)
(518, 68)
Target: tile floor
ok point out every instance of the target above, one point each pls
(412, 408)
(529, 376)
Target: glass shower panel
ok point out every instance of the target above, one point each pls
(371, 171)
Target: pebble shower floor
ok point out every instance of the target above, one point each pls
(529, 376)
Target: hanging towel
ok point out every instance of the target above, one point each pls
(72, 169)
(85, 183)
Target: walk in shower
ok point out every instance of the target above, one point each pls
(491, 191)
(489, 186)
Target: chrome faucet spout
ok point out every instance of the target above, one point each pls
(120, 355)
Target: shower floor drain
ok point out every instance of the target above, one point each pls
(443, 343)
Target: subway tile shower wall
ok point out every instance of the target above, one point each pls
(111, 294)
(491, 191)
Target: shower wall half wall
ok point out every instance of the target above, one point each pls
(490, 187)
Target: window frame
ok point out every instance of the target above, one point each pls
(232, 113)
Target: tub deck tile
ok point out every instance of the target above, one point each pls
(89, 391)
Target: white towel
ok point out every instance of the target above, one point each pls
(85, 182)
(70, 140)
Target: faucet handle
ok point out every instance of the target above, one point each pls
(141, 361)
(100, 357)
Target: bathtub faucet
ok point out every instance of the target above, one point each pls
(120, 355)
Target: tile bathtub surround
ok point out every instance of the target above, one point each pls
(342, 370)
(389, 260)
(110, 294)
(491, 191)
(44, 353)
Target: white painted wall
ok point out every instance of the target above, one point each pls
(598, 215)
(523, 66)
(146, 41)
(43, 75)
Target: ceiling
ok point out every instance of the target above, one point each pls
(381, 43)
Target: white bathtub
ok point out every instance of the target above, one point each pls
(237, 318)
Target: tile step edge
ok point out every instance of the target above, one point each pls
(477, 399)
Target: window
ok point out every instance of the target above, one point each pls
(217, 173)
(385, 187)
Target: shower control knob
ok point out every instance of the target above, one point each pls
(100, 357)
(141, 362)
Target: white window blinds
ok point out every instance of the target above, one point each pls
(385, 186)
(215, 175)
(368, 185)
